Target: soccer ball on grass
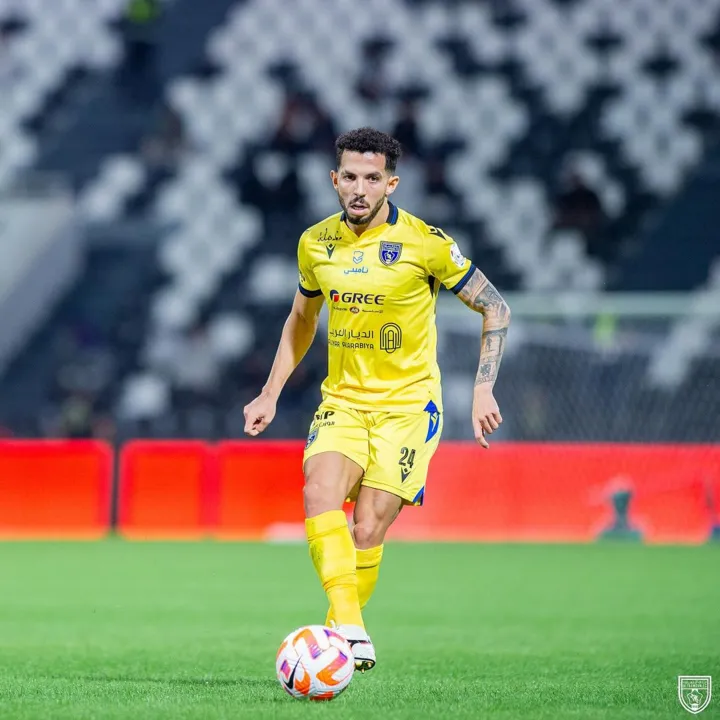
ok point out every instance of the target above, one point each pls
(315, 663)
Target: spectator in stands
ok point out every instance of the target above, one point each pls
(10, 69)
(443, 202)
(165, 145)
(406, 129)
(271, 184)
(304, 126)
(139, 75)
(194, 369)
(76, 417)
(578, 207)
(371, 85)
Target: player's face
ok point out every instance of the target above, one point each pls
(362, 184)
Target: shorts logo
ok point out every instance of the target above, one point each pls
(312, 437)
(694, 692)
(433, 421)
(389, 252)
(390, 338)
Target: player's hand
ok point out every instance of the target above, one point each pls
(485, 413)
(259, 413)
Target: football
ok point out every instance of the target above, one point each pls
(314, 663)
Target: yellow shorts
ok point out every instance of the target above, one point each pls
(393, 449)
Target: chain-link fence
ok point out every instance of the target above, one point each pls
(628, 373)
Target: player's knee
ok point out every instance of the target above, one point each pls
(315, 499)
(320, 497)
(368, 534)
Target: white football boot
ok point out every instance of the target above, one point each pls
(361, 645)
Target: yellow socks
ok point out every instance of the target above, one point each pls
(333, 555)
(367, 565)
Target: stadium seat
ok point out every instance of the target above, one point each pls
(508, 94)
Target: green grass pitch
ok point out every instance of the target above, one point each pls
(182, 630)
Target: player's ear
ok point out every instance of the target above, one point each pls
(334, 178)
(392, 185)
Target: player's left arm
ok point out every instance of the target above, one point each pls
(445, 261)
(480, 295)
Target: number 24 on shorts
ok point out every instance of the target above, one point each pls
(406, 462)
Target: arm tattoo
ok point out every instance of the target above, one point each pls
(480, 295)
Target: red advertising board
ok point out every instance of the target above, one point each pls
(253, 490)
(166, 490)
(512, 492)
(55, 489)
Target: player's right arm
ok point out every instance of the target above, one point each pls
(297, 336)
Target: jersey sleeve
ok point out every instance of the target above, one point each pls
(308, 284)
(445, 261)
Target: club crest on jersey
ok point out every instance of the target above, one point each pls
(390, 252)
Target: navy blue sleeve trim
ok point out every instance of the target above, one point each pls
(464, 279)
(309, 293)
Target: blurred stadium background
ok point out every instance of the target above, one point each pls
(158, 161)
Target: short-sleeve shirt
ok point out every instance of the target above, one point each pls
(381, 289)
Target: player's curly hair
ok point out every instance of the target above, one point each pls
(367, 139)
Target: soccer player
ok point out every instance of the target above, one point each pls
(371, 440)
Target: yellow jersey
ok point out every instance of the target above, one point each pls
(381, 288)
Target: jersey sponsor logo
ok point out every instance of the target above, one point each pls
(351, 339)
(349, 345)
(339, 297)
(390, 338)
(457, 257)
(323, 419)
(356, 271)
(433, 420)
(357, 258)
(351, 334)
(389, 252)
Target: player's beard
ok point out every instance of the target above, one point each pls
(361, 219)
